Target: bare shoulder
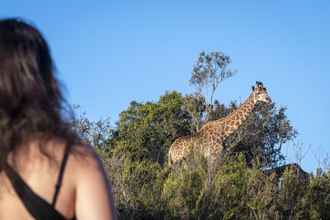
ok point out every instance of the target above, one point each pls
(91, 185)
(81, 157)
(85, 159)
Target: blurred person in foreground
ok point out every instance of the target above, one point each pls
(46, 171)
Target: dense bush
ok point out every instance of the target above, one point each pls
(248, 183)
(135, 154)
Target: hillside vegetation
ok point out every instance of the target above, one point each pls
(242, 186)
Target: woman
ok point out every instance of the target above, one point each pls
(46, 171)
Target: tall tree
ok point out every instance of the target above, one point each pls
(208, 72)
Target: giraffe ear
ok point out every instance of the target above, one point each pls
(253, 88)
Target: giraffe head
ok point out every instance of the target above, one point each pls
(259, 93)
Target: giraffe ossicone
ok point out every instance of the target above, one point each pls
(209, 140)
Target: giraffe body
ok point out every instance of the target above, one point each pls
(209, 140)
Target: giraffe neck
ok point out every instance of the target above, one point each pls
(233, 121)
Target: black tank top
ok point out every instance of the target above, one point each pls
(38, 207)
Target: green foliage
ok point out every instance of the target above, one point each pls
(145, 131)
(290, 194)
(195, 105)
(261, 137)
(146, 189)
(228, 190)
(315, 202)
(136, 186)
(209, 71)
(99, 134)
(134, 152)
(183, 188)
(260, 192)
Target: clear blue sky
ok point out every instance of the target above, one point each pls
(112, 52)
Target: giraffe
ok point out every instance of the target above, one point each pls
(209, 139)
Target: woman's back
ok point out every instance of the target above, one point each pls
(82, 180)
(40, 175)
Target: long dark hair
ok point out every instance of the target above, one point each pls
(31, 101)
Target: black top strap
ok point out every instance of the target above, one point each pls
(38, 207)
(61, 174)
